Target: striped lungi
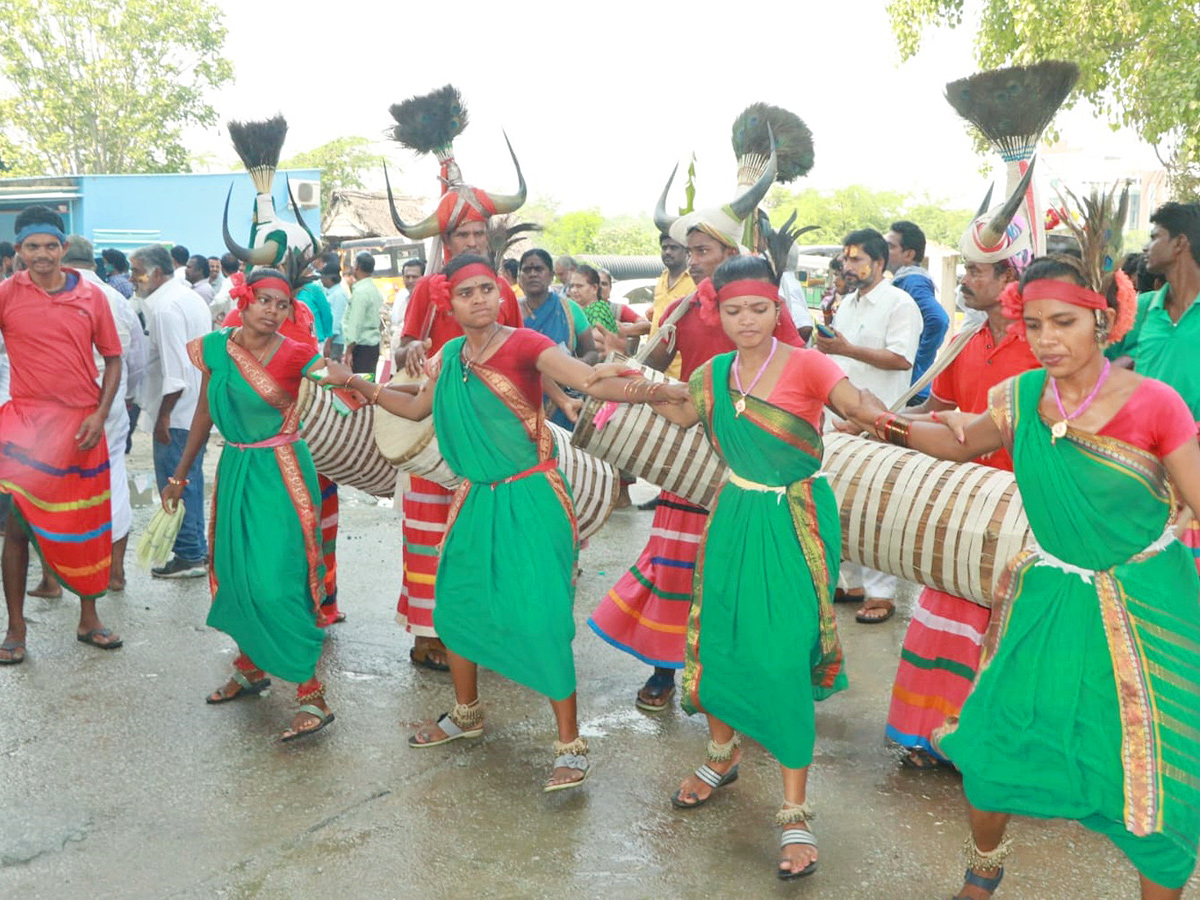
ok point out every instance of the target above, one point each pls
(938, 663)
(329, 531)
(60, 492)
(646, 612)
(426, 510)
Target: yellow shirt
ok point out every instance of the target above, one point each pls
(664, 295)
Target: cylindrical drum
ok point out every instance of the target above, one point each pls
(639, 441)
(413, 448)
(343, 446)
(952, 526)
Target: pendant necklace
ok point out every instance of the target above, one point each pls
(258, 358)
(1059, 428)
(469, 363)
(740, 406)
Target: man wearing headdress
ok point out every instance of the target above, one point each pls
(941, 648)
(460, 224)
(645, 613)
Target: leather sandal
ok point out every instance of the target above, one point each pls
(246, 688)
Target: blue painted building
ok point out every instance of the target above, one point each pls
(129, 211)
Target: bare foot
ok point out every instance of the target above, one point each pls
(46, 589)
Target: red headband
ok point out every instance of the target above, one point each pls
(440, 286)
(1013, 300)
(243, 293)
(710, 298)
(471, 271)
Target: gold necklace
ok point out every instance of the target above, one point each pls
(259, 357)
(469, 362)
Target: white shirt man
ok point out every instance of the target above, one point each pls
(175, 315)
(877, 329)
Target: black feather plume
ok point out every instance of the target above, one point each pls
(1013, 106)
(779, 242)
(793, 140)
(258, 143)
(501, 236)
(430, 122)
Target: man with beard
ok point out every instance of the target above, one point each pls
(53, 456)
(175, 314)
(1165, 338)
(875, 335)
(942, 645)
(645, 613)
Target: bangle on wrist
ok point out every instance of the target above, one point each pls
(378, 391)
(178, 482)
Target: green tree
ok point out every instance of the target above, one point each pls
(341, 161)
(1137, 58)
(574, 232)
(628, 236)
(836, 213)
(106, 86)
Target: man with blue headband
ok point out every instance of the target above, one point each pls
(53, 455)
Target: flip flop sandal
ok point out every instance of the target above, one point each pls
(987, 884)
(12, 647)
(795, 834)
(425, 661)
(713, 779)
(89, 637)
(247, 688)
(843, 596)
(875, 620)
(921, 760)
(324, 717)
(655, 688)
(451, 729)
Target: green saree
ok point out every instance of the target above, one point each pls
(504, 591)
(1086, 705)
(267, 574)
(762, 641)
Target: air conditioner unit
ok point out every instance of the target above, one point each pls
(307, 193)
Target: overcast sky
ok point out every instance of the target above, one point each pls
(601, 100)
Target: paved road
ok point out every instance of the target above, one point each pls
(118, 781)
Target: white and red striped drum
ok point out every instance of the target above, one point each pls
(639, 441)
(343, 447)
(952, 526)
(412, 447)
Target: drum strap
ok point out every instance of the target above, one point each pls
(944, 359)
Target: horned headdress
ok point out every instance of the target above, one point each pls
(258, 145)
(429, 124)
(1011, 107)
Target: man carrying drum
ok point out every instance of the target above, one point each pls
(645, 613)
(461, 224)
(942, 645)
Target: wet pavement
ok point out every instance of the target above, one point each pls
(116, 780)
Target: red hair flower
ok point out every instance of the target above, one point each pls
(1012, 304)
(1126, 307)
(241, 292)
(439, 292)
(710, 313)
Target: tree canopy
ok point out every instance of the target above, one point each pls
(106, 86)
(342, 162)
(1137, 59)
(838, 212)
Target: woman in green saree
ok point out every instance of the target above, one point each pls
(762, 641)
(504, 584)
(1087, 703)
(267, 574)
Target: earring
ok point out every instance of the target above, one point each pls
(1101, 328)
